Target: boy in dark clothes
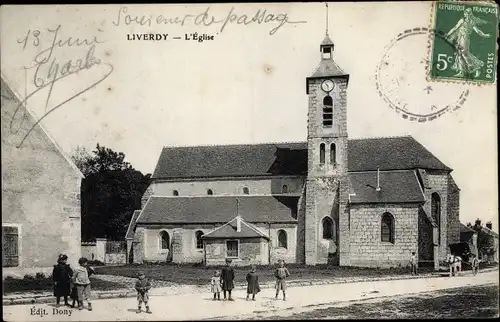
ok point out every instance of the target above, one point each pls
(253, 284)
(61, 275)
(142, 286)
(227, 278)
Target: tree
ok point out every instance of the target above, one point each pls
(110, 192)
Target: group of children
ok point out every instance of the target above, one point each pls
(224, 281)
(73, 283)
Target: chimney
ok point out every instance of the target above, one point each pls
(238, 223)
(489, 225)
(378, 180)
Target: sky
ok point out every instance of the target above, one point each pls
(247, 85)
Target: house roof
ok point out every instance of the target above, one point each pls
(219, 209)
(229, 230)
(392, 153)
(395, 187)
(131, 226)
(8, 92)
(490, 232)
(465, 229)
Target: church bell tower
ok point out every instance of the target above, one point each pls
(326, 218)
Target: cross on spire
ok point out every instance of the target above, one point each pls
(326, 5)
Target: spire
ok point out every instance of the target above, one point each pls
(326, 4)
(326, 46)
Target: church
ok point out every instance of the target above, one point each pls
(328, 200)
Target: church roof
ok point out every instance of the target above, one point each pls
(131, 226)
(328, 68)
(229, 230)
(399, 186)
(393, 153)
(219, 209)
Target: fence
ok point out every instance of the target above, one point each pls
(106, 251)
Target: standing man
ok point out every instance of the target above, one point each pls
(227, 278)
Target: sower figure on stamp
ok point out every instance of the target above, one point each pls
(227, 278)
(281, 274)
(460, 35)
(142, 286)
(61, 275)
(252, 283)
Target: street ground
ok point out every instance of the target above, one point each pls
(312, 300)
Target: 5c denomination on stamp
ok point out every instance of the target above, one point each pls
(466, 49)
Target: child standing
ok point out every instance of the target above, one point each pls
(61, 275)
(413, 263)
(474, 264)
(82, 282)
(227, 278)
(253, 283)
(281, 274)
(216, 287)
(142, 286)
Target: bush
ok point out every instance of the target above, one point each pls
(27, 283)
(95, 262)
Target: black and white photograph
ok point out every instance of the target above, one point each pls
(249, 161)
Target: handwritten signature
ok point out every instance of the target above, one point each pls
(48, 71)
(206, 19)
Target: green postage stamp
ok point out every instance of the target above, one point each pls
(464, 42)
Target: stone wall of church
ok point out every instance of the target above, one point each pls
(183, 248)
(148, 193)
(288, 254)
(301, 220)
(425, 239)
(229, 187)
(366, 247)
(252, 251)
(453, 213)
(438, 182)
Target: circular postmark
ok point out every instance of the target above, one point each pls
(402, 82)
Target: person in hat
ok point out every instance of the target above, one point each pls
(252, 283)
(61, 275)
(227, 278)
(142, 286)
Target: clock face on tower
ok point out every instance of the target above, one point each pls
(327, 86)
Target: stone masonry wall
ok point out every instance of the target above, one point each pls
(301, 221)
(367, 249)
(453, 212)
(438, 182)
(148, 193)
(251, 252)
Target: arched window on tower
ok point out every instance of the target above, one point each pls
(284, 189)
(175, 193)
(436, 213)
(199, 241)
(328, 112)
(387, 228)
(333, 154)
(322, 153)
(327, 228)
(210, 192)
(282, 239)
(164, 240)
(245, 191)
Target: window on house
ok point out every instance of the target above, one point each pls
(327, 228)
(284, 189)
(322, 153)
(282, 239)
(333, 154)
(164, 240)
(245, 190)
(328, 111)
(175, 193)
(199, 241)
(10, 245)
(436, 213)
(210, 192)
(232, 248)
(387, 226)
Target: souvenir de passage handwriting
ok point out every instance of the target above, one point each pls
(47, 70)
(205, 18)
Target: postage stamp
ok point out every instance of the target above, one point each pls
(464, 45)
